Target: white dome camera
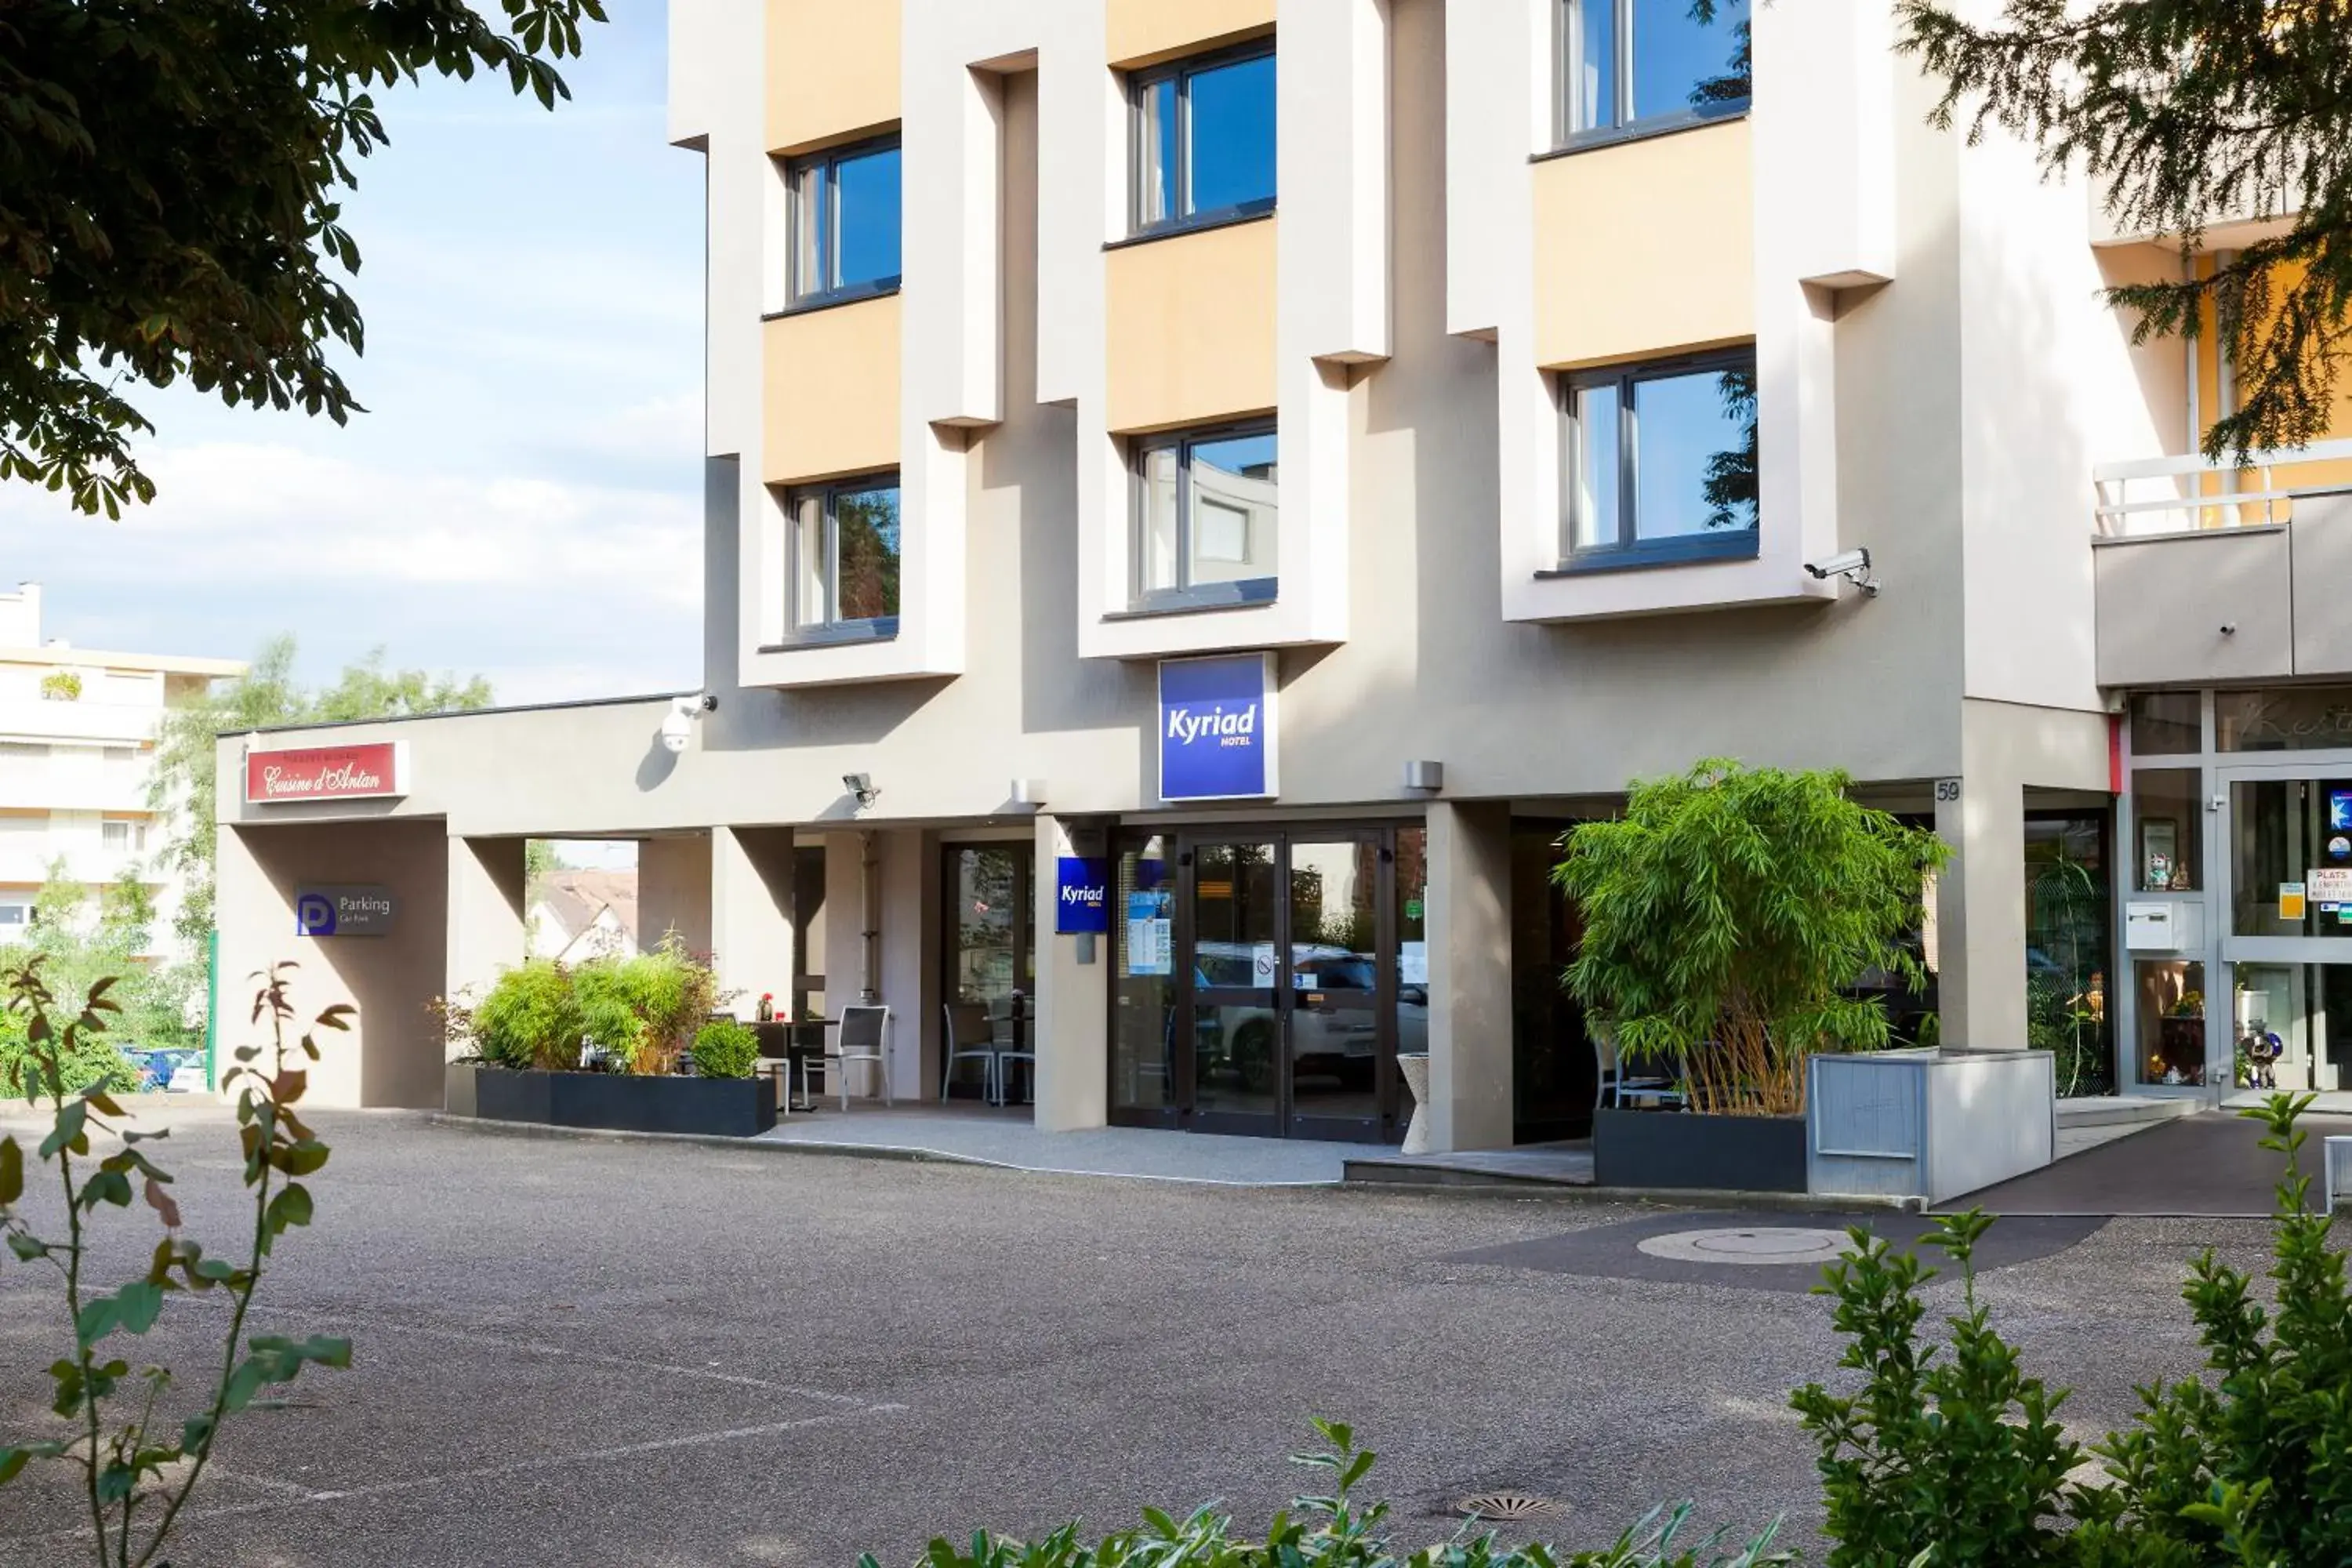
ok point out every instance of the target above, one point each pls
(678, 724)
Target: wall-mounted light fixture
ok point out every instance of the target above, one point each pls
(1030, 793)
(861, 789)
(1426, 777)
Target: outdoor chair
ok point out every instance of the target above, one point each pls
(863, 1036)
(967, 1038)
(1010, 1029)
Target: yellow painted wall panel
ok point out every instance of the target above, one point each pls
(832, 403)
(1190, 333)
(1646, 247)
(1142, 32)
(832, 70)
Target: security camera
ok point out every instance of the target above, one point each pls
(678, 724)
(861, 788)
(1853, 565)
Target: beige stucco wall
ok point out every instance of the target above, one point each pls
(1646, 247)
(392, 1054)
(831, 404)
(1140, 32)
(832, 70)
(1190, 327)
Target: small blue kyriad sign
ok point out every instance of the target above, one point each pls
(1217, 728)
(1082, 899)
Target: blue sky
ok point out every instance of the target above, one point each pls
(523, 498)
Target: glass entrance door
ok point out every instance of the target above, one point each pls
(2287, 946)
(1263, 980)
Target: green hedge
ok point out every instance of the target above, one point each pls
(725, 1049)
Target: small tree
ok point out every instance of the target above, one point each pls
(136, 1448)
(1728, 914)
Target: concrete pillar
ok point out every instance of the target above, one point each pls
(751, 915)
(1070, 1014)
(1469, 929)
(674, 890)
(908, 920)
(487, 934)
(1980, 896)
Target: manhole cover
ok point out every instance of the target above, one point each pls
(1749, 1245)
(1505, 1507)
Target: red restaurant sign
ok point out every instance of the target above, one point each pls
(371, 772)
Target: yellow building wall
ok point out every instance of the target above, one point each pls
(1190, 333)
(2212, 406)
(832, 70)
(832, 395)
(1144, 32)
(1646, 249)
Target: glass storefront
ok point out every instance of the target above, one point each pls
(1263, 980)
(2068, 899)
(989, 945)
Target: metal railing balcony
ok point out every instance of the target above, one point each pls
(2195, 494)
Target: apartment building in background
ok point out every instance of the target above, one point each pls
(78, 732)
(1200, 495)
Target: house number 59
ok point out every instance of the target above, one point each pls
(1948, 789)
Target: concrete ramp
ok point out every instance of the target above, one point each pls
(2210, 1163)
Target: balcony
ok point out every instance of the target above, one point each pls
(2210, 571)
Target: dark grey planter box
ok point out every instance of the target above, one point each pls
(1673, 1149)
(613, 1103)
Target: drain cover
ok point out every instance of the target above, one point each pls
(1749, 1245)
(1505, 1507)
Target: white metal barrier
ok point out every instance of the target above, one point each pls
(2194, 493)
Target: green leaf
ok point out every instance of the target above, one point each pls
(290, 1208)
(68, 1130)
(97, 1319)
(12, 1172)
(12, 1464)
(141, 1304)
(27, 1248)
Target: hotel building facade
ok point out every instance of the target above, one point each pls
(1246, 475)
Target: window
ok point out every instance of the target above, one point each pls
(845, 222)
(842, 560)
(1206, 505)
(2166, 724)
(114, 835)
(1204, 145)
(1629, 66)
(1661, 462)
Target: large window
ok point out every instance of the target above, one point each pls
(1661, 462)
(842, 560)
(1203, 133)
(845, 222)
(1630, 66)
(1206, 506)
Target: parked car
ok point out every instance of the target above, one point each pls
(1336, 1034)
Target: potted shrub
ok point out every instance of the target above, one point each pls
(599, 1046)
(1728, 914)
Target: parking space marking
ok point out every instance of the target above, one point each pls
(489, 1472)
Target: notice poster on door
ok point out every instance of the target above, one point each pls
(1412, 964)
(2329, 887)
(1149, 935)
(2291, 900)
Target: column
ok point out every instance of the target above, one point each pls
(1070, 1013)
(1469, 927)
(1980, 896)
(751, 915)
(674, 890)
(486, 912)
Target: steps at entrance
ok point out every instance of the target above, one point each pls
(2120, 1110)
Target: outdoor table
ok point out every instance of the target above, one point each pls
(802, 1042)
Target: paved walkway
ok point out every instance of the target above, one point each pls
(2208, 1164)
(1011, 1142)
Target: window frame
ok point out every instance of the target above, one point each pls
(797, 297)
(1630, 550)
(1187, 595)
(875, 628)
(1567, 27)
(1182, 71)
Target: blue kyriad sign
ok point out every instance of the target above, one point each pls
(1082, 901)
(1216, 728)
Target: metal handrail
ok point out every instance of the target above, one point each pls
(2236, 503)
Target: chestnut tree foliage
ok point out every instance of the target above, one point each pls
(172, 180)
(2191, 111)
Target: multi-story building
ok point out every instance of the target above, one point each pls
(78, 732)
(1301, 455)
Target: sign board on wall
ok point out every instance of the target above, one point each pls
(1082, 895)
(343, 911)
(1217, 732)
(375, 769)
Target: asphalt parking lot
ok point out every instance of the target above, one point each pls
(609, 1353)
